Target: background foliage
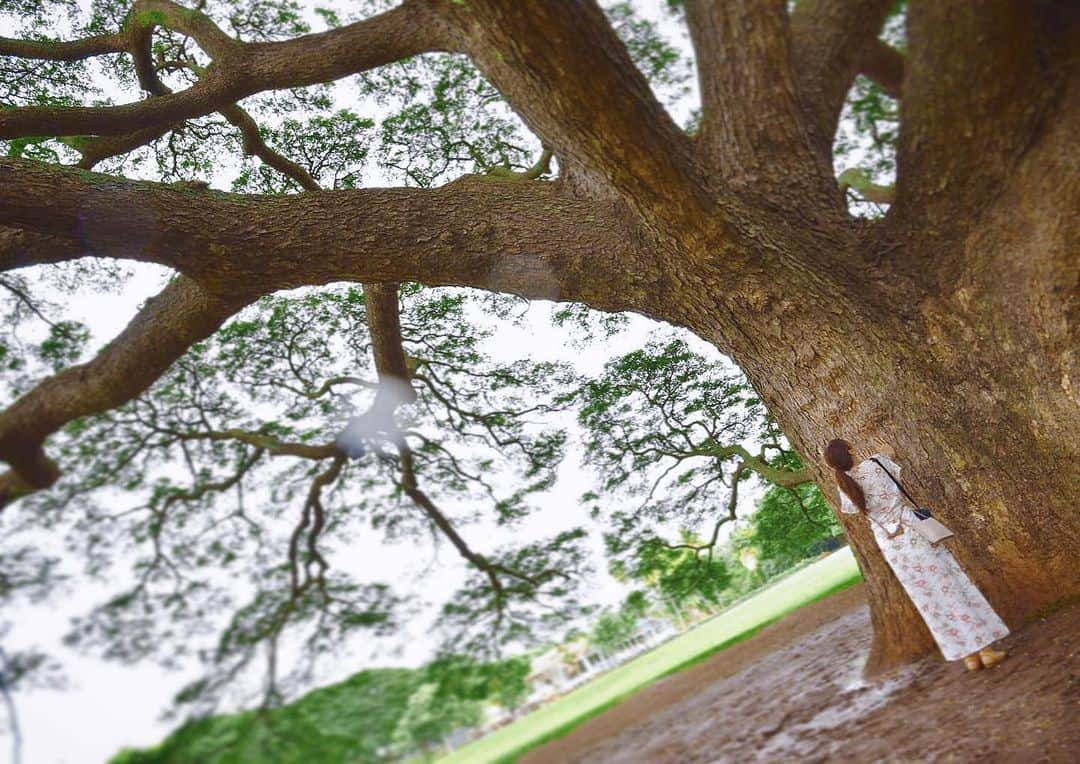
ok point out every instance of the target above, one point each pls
(374, 715)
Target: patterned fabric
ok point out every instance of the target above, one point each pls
(957, 613)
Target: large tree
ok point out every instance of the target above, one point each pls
(947, 327)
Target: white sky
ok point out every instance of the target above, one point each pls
(109, 706)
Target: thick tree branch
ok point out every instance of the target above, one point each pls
(383, 310)
(781, 477)
(182, 314)
(261, 441)
(752, 127)
(758, 464)
(441, 521)
(254, 145)
(54, 50)
(980, 79)
(312, 521)
(832, 41)
(95, 150)
(202, 98)
(394, 387)
(528, 238)
(384, 323)
(555, 62)
(13, 487)
(239, 69)
(19, 248)
(861, 182)
(883, 64)
(492, 570)
(407, 30)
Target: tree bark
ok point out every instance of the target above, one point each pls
(239, 69)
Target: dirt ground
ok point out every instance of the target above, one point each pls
(794, 692)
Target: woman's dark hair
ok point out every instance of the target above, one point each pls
(838, 456)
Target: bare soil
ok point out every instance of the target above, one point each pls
(795, 692)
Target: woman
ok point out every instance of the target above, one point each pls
(961, 620)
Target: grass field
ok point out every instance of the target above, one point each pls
(813, 582)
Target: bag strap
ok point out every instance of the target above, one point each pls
(898, 484)
(900, 521)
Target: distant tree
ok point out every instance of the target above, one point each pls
(429, 717)
(789, 523)
(357, 720)
(353, 720)
(690, 572)
(612, 628)
(502, 682)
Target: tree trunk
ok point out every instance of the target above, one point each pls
(974, 382)
(974, 450)
(987, 439)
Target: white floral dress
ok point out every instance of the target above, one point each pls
(957, 613)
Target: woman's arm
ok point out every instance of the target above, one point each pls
(845, 504)
(883, 447)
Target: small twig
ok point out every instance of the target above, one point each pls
(25, 298)
(805, 509)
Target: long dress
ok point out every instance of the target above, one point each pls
(959, 617)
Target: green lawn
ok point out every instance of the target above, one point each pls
(559, 717)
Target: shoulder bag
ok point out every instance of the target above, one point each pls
(923, 521)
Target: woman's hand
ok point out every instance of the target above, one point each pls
(883, 447)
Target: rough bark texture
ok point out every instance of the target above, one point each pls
(834, 40)
(949, 328)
